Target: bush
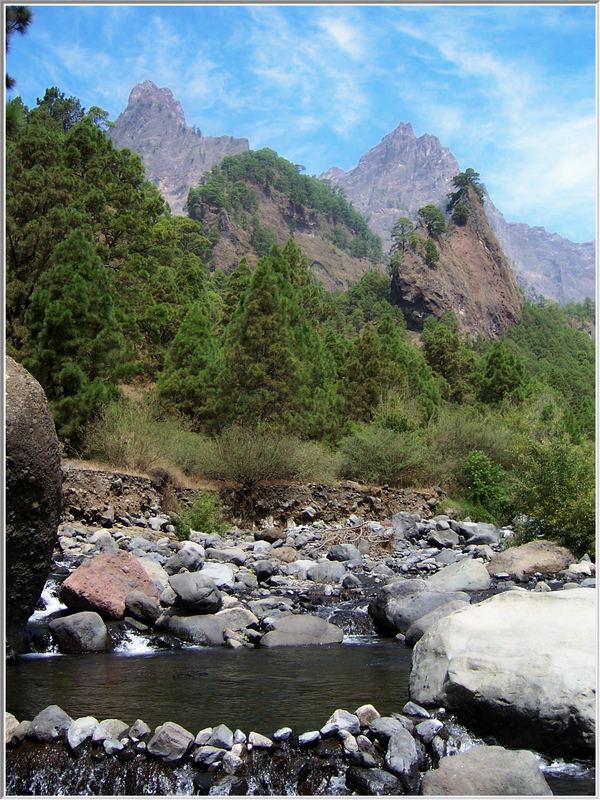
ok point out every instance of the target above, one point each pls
(204, 514)
(455, 432)
(375, 454)
(484, 482)
(132, 436)
(248, 456)
(554, 488)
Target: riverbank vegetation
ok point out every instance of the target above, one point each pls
(263, 375)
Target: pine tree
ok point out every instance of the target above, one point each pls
(364, 375)
(235, 289)
(503, 374)
(261, 372)
(72, 338)
(188, 381)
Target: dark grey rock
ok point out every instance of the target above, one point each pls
(205, 629)
(301, 629)
(415, 710)
(33, 498)
(143, 607)
(373, 782)
(196, 592)
(402, 758)
(84, 632)
(344, 552)
(326, 572)
(266, 568)
(189, 557)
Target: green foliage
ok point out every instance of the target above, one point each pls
(135, 435)
(188, 382)
(233, 184)
(484, 482)
(503, 375)
(252, 455)
(401, 234)
(379, 455)
(468, 178)
(262, 239)
(57, 108)
(15, 117)
(205, 514)
(554, 488)
(433, 220)
(72, 340)
(460, 214)
(559, 356)
(18, 20)
(432, 254)
(448, 355)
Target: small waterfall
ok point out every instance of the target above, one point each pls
(49, 598)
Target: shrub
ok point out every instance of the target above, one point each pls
(130, 435)
(554, 489)
(250, 455)
(375, 454)
(204, 514)
(484, 482)
(460, 214)
(455, 432)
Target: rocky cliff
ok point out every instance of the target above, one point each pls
(403, 173)
(471, 276)
(175, 156)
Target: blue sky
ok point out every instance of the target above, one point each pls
(509, 89)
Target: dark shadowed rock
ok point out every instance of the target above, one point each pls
(33, 497)
(372, 782)
(84, 632)
(205, 629)
(142, 607)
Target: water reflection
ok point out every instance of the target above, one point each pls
(258, 690)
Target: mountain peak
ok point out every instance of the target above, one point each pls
(175, 156)
(150, 97)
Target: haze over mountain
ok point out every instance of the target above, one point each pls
(402, 173)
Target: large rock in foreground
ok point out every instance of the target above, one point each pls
(520, 663)
(541, 556)
(84, 632)
(301, 629)
(102, 584)
(402, 602)
(33, 497)
(487, 771)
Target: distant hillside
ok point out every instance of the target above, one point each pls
(403, 172)
(175, 156)
(255, 199)
(470, 275)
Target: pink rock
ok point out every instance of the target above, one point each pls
(102, 584)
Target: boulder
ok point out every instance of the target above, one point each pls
(84, 632)
(205, 629)
(223, 575)
(520, 663)
(190, 556)
(236, 619)
(464, 576)
(445, 538)
(33, 498)
(301, 629)
(285, 554)
(487, 771)
(402, 758)
(326, 572)
(142, 607)
(367, 714)
(418, 628)
(196, 593)
(109, 729)
(11, 723)
(374, 782)
(539, 556)
(405, 526)
(266, 568)
(50, 724)
(232, 555)
(485, 533)
(221, 736)
(400, 603)
(270, 535)
(341, 720)
(344, 552)
(170, 742)
(80, 730)
(102, 583)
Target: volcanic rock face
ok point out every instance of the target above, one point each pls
(471, 277)
(175, 157)
(33, 497)
(403, 173)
